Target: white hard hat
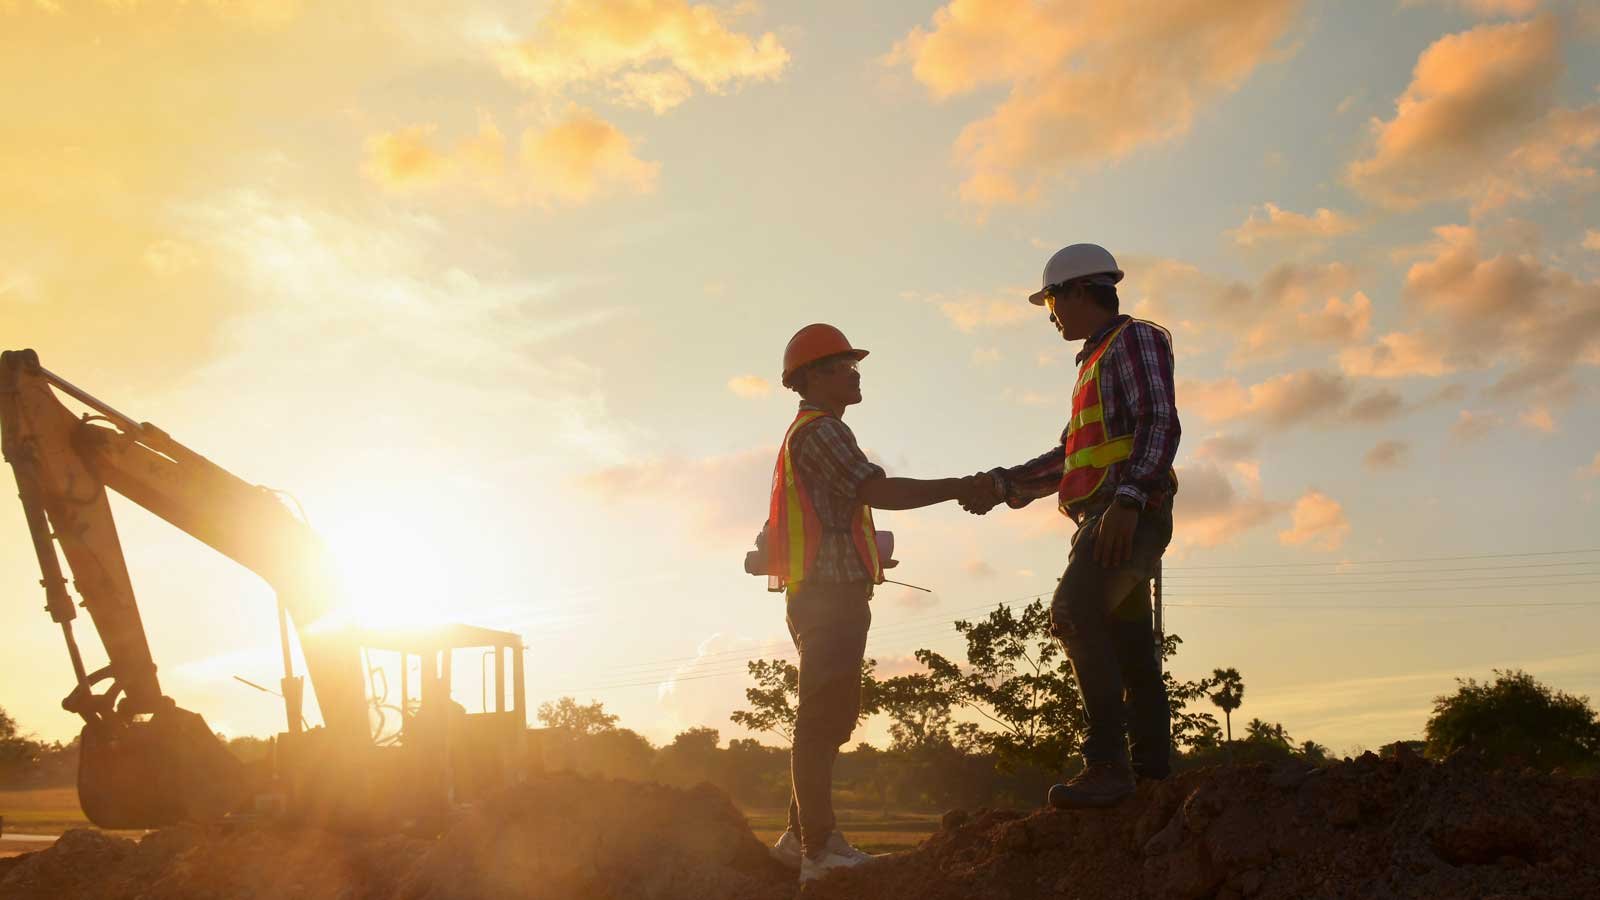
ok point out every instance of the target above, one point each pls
(1076, 261)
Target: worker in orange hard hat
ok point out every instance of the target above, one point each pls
(1111, 473)
(819, 545)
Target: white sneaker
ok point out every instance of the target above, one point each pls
(787, 850)
(836, 854)
(837, 844)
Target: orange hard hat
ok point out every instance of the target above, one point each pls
(812, 343)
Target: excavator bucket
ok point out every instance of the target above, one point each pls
(154, 773)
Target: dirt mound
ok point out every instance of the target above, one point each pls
(561, 837)
(1371, 828)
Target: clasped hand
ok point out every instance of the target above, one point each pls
(978, 493)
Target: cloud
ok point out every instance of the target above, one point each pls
(1282, 226)
(1478, 122)
(1223, 448)
(749, 386)
(723, 498)
(1209, 511)
(1479, 311)
(1293, 305)
(978, 568)
(651, 54)
(1280, 401)
(1488, 8)
(579, 158)
(1318, 520)
(1593, 469)
(911, 600)
(1539, 419)
(1471, 426)
(1088, 83)
(986, 356)
(1591, 239)
(1387, 454)
(1396, 355)
(1378, 406)
(1003, 308)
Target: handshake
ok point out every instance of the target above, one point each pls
(981, 492)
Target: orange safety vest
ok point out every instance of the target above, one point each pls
(1089, 452)
(794, 531)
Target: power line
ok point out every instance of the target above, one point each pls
(1380, 562)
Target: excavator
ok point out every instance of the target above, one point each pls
(373, 762)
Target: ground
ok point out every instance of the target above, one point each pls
(1396, 827)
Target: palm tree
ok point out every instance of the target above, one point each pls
(1228, 695)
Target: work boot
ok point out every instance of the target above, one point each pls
(787, 849)
(1098, 786)
(836, 854)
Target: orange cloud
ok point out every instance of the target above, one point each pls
(723, 498)
(1088, 82)
(1476, 310)
(1471, 426)
(644, 53)
(750, 386)
(580, 158)
(1282, 226)
(1209, 511)
(1283, 400)
(1317, 519)
(1593, 469)
(1396, 355)
(971, 312)
(1591, 239)
(1477, 122)
(1539, 419)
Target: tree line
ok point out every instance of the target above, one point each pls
(995, 727)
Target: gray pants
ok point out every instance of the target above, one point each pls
(828, 623)
(1103, 618)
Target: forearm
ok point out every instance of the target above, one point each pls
(907, 493)
(1038, 477)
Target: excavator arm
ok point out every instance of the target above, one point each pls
(145, 762)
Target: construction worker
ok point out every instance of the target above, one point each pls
(819, 545)
(1112, 475)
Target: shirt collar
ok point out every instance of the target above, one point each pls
(1095, 339)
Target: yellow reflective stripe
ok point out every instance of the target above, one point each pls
(796, 525)
(1088, 416)
(1101, 455)
(871, 534)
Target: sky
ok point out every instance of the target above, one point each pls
(499, 292)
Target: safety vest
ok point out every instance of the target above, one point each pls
(1089, 452)
(794, 531)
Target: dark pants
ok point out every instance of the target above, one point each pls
(1103, 619)
(828, 623)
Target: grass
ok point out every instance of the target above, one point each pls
(42, 810)
(871, 830)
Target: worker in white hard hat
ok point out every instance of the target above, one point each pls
(1111, 473)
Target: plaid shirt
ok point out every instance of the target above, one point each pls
(1136, 391)
(832, 467)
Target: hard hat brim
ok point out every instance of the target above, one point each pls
(1037, 297)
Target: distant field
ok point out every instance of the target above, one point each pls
(870, 830)
(41, 811)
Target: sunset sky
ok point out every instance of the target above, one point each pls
(499, 291)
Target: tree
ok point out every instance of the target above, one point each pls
(1190, 730)
(919, 712)
(1269, 733)
(1018, 680)
(1228, 694)
(776, 696)
(585, 721)
(1514, 720)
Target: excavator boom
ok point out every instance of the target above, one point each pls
(146, 762)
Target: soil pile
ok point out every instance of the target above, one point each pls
(562, 838)
(1397, 827)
